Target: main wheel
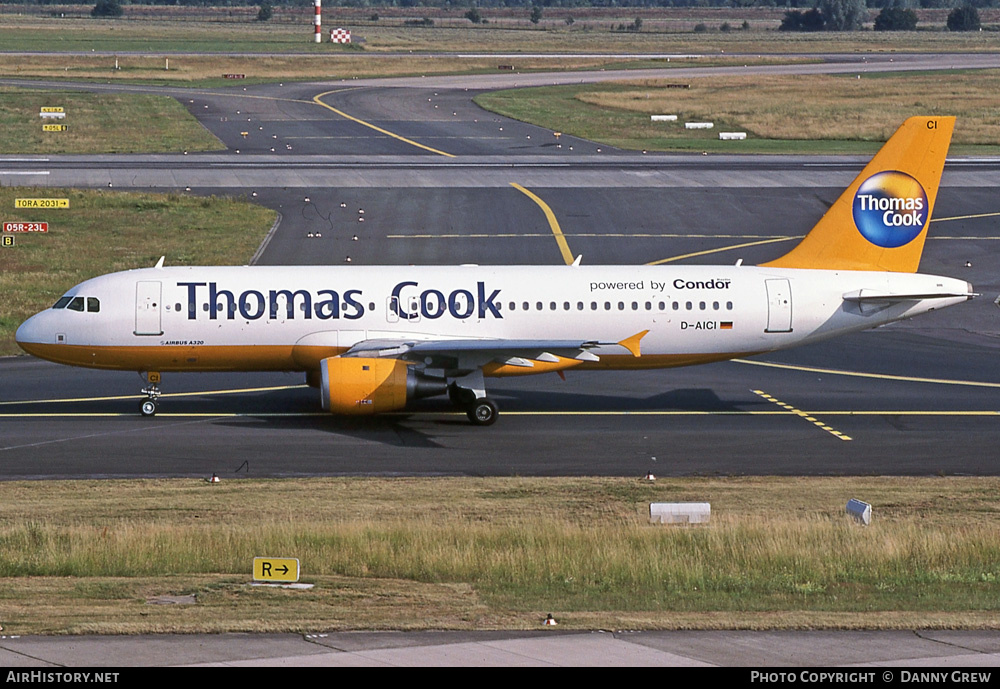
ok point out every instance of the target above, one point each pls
(148, 408)
(483, 412)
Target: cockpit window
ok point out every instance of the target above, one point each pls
(61, 304)
(93, 304)
(76, 304)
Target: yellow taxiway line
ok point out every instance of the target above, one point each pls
(805, 415)
(876, 376)
(169, 394)
(316, 99)
(567, 255)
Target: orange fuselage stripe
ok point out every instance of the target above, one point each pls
(290, 358)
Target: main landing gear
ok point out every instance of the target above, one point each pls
(469, 393)
(152, 392)
(482, 412)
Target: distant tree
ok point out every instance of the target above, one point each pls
(569, 21)
(843, 15)
(265, 12)
(896, 19)
(797, 20)
(536, 14)
(106, 8)
(725, 27)
(964, 19)
(701, 28)
(473, 15)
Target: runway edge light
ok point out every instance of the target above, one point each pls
(861, 511)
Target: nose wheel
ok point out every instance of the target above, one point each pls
(152, 393)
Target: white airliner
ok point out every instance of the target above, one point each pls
(374, 338)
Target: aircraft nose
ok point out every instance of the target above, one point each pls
(31, 332)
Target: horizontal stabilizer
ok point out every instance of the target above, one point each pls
(870, 295)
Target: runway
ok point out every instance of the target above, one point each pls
(443, 185)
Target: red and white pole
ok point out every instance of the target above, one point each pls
(316, 21)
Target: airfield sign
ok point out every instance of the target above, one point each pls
(282, 569)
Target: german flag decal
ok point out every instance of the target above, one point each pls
(726, 325)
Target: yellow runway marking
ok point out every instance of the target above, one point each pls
(316, 99)
(966, 217)
(175, 415)
(599, 235)
(805, 415)
(553, 223)
(786, 409)
(720, 249)
(169, 394)
(877, 376)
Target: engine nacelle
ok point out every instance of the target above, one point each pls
(356, 386)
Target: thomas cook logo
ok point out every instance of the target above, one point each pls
(890, 209)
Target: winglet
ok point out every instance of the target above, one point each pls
(576, 262)
(159, 264)
(632, 343)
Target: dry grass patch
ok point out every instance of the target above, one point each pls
(781, 114)
(499, 553)
(822, 106)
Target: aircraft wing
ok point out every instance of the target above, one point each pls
(456, 355)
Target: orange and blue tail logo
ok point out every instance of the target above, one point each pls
(880, 221)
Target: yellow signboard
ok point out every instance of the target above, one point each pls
(41, 203)
(6, 240)
(51, 109)
(54, 127)
(283, 569)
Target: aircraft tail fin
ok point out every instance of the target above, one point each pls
(880, 221)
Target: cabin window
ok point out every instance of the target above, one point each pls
(621, 306)
(76, 304)
(93, 305)
(649, 306)
(729, 306)
(688, 306)
(715, 306)
(701, 305)
(607, 306)
(635, 306)
(593, 306)
(552, 306)
(525, 306)
(565, 306)
(579, 306)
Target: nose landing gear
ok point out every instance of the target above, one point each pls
(152, 392)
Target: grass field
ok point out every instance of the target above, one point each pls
(104, 231)
(463, 553)
(824, 114)
(233, 30)
(99, 123)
